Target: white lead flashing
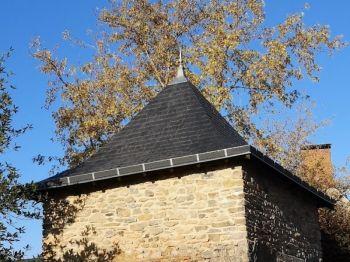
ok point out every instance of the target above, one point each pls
(146, 167)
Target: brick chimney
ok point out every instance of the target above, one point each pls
(318, 163)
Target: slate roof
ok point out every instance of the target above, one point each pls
(178, 122)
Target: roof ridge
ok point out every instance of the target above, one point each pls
(206, 104)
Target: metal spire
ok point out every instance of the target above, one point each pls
(180, 75)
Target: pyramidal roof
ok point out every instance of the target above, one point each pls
(179, 121)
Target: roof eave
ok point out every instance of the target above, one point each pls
(184, 161)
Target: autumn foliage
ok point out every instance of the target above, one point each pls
(228, 52)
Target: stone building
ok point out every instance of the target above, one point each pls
(178, 183)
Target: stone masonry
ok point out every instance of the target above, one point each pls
(187, 217)
(282, 219)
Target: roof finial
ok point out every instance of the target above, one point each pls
(180, 75)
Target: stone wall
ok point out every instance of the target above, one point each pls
(282, 220)
(190, 216)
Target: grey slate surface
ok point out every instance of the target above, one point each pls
(179, 121)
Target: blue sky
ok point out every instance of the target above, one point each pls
(23, 20)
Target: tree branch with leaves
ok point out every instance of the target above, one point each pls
(229, 53)
(15, 198)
